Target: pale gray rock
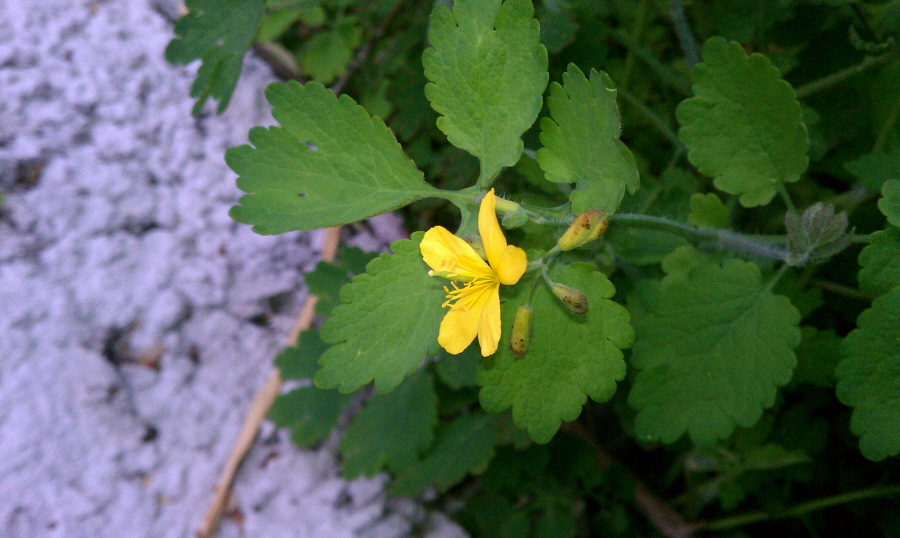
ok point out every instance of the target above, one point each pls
(137, 319)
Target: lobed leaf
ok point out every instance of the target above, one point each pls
(329, 163)
(708, 211)
(488, 71)
(869, 377)
(392, 430)
(218, 32)
(743, 126)
(311, 413)
(890, 201)
(387, 324)
(712, 349)
(880, 262)
(570, 357)
(581, 142)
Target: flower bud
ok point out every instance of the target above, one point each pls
(514, 220)
(474, 241)
(520, 336)
(586, 227)
(574, 300)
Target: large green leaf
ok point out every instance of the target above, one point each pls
(570, 358)
(743, 126)
(387, 324)
(488, 71)
(712, 349)
(581, 142)
(869, 378)
(219, 32)
(393, 429)
(890, 203)
(329, 163)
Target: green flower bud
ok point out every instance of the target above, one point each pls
(474, 241)
(586, 227)
(514, 220)
(574, 300)
(520, 336)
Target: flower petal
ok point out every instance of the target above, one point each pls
(444, 252)
(489, 325)
(491, 234)
(511, 266)
(464, 320)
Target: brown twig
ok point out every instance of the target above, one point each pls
(260, 406)
(661, 515)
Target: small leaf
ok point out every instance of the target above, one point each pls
(743, 126)
(392, 430)
(581, 142)
(387, 324)
(329, 163)
(869, 378)
(880, 262)
(219, 32)
(712, 350)
(708, 211)
(301, 361)
(818, 227)
(464, 446)
(890, 203)
(327, 279)
(327, 55)
(873, 169)
(310, 412)
(488, 71)
(570, 357)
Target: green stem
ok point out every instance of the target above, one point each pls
(888, 125)
(635, 35)
(786, 196)
(719, 239)
(661, 125)
(683, 31)
(836, 78)
(840, 289)
(800, 509)
(667, 75)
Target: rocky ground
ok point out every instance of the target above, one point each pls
(137, 320)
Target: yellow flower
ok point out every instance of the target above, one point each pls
(475, 307)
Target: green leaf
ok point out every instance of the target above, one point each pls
(818, 355)
(387, 324)
(327, 55)
(890, 203)
(873, 169)
(354, 170)
(817, 234)
(301, 361)
(708, 211)
(488, 71)
(310, 412)
(869, 378)
(327, 279)
(712, 350)
(464, 446)
(218, 32)
(743, 126)
(458, 371)
(581, 142)
(392, 430)
(570, 357)
(880, 262)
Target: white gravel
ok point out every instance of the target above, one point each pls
(115, 243)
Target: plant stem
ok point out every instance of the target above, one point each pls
(840, 289)
(800, 509)
(636, 32)
(786, 196)
(661, 125)
(836, 78)
(683, 31)
(667, 75)
(719, 239)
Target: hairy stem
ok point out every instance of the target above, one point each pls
(800, 509)
(836, 78)
(683, 31)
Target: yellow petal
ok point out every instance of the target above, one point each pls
(489, 325)
(511, 265)
(464, 320)
(489, 228)
(444, 252)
